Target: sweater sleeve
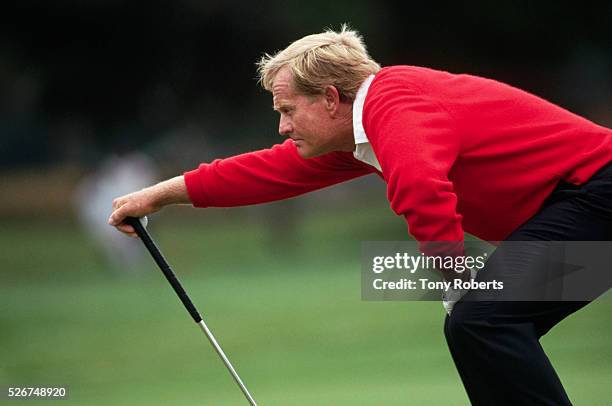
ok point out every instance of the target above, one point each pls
(416, 144)
(268, 175)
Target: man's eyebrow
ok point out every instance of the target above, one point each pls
(281, 107)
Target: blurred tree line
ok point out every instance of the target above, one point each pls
(82, 79)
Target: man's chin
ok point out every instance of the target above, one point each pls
(304, 151)
(307, 153)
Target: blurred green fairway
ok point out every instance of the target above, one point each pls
(289, 317)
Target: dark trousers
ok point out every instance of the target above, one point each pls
(495, 344)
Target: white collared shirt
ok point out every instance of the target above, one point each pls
(363, 150)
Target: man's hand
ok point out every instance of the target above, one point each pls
(147, 201)
(451, 296)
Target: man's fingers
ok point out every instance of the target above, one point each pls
(126, 228)
(133, 205)
(127, 209)
(116, 218)
(118, 202)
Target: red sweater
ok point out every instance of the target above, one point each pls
(458, 152)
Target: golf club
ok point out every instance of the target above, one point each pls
(178, 288)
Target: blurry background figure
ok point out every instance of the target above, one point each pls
(116, 176)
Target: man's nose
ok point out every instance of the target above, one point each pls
(284, 127)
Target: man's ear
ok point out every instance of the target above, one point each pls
(332, 99)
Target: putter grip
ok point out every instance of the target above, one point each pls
(164, 266)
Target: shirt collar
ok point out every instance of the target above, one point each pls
(358, 130)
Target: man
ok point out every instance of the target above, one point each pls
(458, 153)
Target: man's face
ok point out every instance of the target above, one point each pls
(307, 120)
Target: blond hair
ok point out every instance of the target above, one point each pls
(339, 59)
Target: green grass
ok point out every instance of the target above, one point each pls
(289, 316)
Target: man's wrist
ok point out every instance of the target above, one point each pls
(171, 191)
